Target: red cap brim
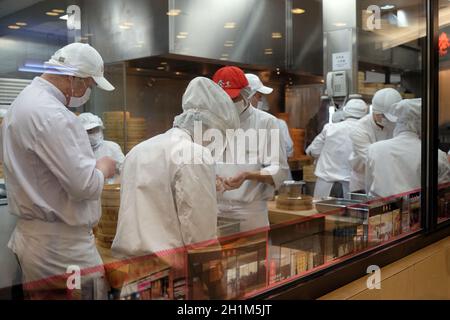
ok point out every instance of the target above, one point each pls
(233, 93)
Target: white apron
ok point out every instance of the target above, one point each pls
(46, 250)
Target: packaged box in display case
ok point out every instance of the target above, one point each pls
(411, 212)
(444, 203)
(230, 270)
(296, 249)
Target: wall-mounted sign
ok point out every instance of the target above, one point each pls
(342, 61)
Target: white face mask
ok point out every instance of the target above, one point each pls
(260, 106)
(241, 106)
(76, 102)
(96, 139)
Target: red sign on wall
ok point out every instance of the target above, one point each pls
(444, 44)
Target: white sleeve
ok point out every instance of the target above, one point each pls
(315, 149)
(361, 143)
(118, 156)
(286, 138)
(369, 172)
(64, 147)
(196, 202)
(275, 163)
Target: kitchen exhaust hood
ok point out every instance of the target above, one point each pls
(285, 34)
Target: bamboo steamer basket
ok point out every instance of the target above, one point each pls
(107, 226)
(109, 214)
(116, 115)
(302, 203)
(111, 196)
(137, 122)
(309, 173)
(298, 137)
(136, 136)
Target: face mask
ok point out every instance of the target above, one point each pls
(96, 139)
(241, 106)
(76, 102)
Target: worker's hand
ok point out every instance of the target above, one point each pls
(107, 166)
(235, 182)
(220, 184)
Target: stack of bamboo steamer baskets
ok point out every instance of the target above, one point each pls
(107, 227)
(298, 137)
(119, 124)
(136, 132)
(309, 173)
(114, 123)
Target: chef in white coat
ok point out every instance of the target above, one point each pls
(255, 169)
(54, 181)
(332, 149)
(394, 166)
(168, 197)
(377, 126)
(101, 147)
(259, 101)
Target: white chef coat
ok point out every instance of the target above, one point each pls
(394, 166)
(366, 133)
(333, 148)
(112, 150)
(166, 204)
(249, 203)
(53, 184)
(286, 138)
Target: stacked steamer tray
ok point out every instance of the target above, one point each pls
(298, 137)
(114, 123)
(136, 132)
(107, 227)
(309, 173)
(291, 197)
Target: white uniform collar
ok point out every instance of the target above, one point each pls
(49, 87)
(247, 113)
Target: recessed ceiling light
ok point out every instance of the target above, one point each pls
(164, 63)
(180, 36)
(298, 11)
(161, 68)
(183, 33)
(13, 27)
(230, 25)
(128, 24)
(388, 7)
(174, 12)
(122, 26)
(52, 14)
(58, 11)
(277, 35)
(22, 24)
(177, 73)
(340, 24)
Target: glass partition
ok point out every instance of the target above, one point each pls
(357, 173)
(444, 116)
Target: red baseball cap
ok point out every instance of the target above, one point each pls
(232, 80)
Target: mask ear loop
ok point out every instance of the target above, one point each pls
(68, 97)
